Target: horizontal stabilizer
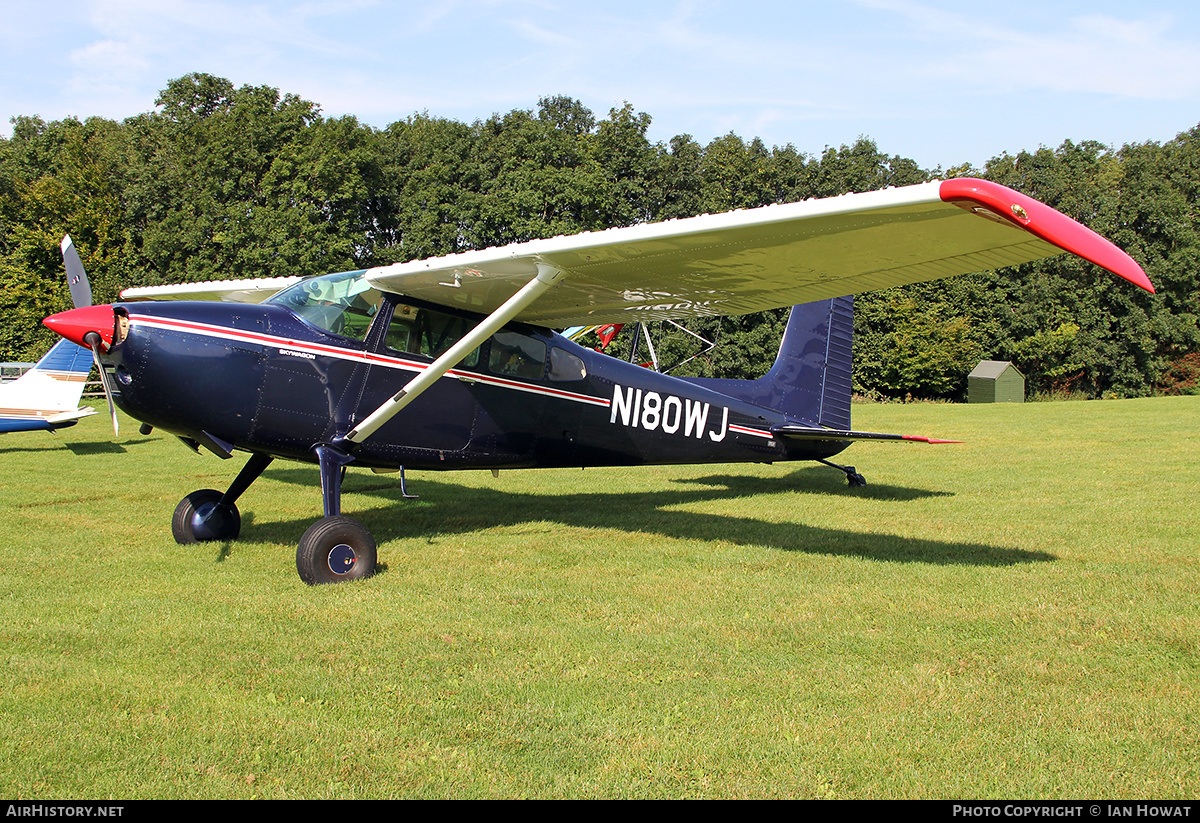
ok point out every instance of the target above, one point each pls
(814, 433)
(67, 418)
(47, 395)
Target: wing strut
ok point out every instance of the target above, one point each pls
(547, 276)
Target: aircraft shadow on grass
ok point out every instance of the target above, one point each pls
(446, 508)
(105, 446)
(81, 448)
(811, 480)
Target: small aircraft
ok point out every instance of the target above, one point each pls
(46, 397)
(450, 362)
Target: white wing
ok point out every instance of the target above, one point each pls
(230, 291)
(757, 259)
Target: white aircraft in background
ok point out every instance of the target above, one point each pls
(47, 396)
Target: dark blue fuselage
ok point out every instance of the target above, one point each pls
(258, 378)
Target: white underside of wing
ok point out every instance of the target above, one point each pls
(730, 263)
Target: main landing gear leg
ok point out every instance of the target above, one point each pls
(336, 548)
(853, 478)
(206, 514)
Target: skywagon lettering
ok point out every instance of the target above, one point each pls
(651, 411)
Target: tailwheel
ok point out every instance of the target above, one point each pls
(334, 550)
(201, 516)
(853, 479)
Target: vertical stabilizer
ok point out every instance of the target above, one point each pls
(810, 379)
(47, 396)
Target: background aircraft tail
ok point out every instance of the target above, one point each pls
(47, 396)
(810, 379)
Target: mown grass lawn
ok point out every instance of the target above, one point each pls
(1015, 616)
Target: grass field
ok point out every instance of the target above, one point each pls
(1015, 616)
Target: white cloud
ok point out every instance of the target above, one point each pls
(105, 65)
(911, 73)
(1134, 55)
(1134, 58)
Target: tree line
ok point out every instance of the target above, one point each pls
(224, 182)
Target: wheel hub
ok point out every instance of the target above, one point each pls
(341, 559)
(212, 521)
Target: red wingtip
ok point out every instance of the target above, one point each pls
(75, 324)
(1042, 221)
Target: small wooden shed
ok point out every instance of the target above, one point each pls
(995, 381)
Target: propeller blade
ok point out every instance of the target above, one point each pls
(93, 341)
(81, 290)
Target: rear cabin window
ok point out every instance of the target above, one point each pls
(565, 366)
(517, 355)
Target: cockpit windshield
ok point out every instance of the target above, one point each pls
(342, 303)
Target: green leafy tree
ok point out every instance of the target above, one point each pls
(914, 348)
(1118, 345)
(55, 178)
(231, 183)
(538, 175)
(226, 182)
(430, 181)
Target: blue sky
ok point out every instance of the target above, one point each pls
(939, 81)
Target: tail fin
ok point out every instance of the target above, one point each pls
(47, 396)
(810, 379)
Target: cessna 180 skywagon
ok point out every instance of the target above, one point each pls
(450, 362)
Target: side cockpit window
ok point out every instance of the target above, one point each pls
(419, 330)
(342, 303)
(427, 332)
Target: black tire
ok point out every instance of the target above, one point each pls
(198, 518)
(335, 550)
